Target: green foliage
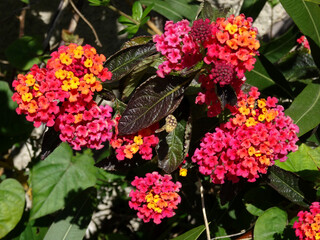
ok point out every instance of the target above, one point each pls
(24, 52)
(97, 3)
(303, 108)
(305, 162)
(192, 234)
(68, 174)
(12, 200)
(252, 8)
(270, 224)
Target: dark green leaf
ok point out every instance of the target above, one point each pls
(306, 17)
(73, 221)
(58, 177)
(13, 128)
(24, 52)
(134, 78)
(126, 21)
(147, 11)
(137, 11)
(164, 8)
(122, 62)
(259, 199)
(313, 1)
(270, 224)
(12, 200)
(226, 95)
(280, 46)
(304, 108)
(140, 40)
(315, 52)
(290, 186)
(305, 162)
(266, 76)
(298, 65)
(192, 234)
(252, 8)
(171, 151)
(154, 99)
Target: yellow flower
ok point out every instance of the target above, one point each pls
(138, 140)
(232, 28)
(26, 97)
(89, 78)
(183, 172)
(78, 52)
(88, 63)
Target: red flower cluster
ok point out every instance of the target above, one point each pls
(142, 143)
(155, 197)
(308, 225)
(61, 95)
(177, 46)
(248, 143)
(304, 41)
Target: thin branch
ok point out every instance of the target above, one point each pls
(204, 212)
(232, 235)
(22, 18)
(87, 22)
(150, 24)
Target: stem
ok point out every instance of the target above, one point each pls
(87, 22)
(150, 24)
(22, 18)
(232, 235)
(204, 212)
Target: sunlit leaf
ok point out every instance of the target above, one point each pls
(306, 17)
(12, 200)
(305, 162)
(58, 178)
(154, 99)
(192, 234)
(303, 108)
(270, 224)
(122, 62)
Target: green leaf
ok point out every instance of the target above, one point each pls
(58, 177)
(126, 21)
(313, 1)
(136, 75)
(259, 199)
(252, 8)
(24, 52)
(73, 221)
(304, 108)
(12, 200)
(305, 162)
(208, 10)
(290, 186)
(266, 76)
(137, 11)
(280, 46)
(171, 151)
(270, 224)
(123, 62)
(13, 128)
(140, 40)
(154, 99)
(147, 11)
(306, 17)
(164, 8)
(298, 65)
(192, 234)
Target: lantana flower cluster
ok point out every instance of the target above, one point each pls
(61, 95)
(250, 142)
(308, 225)
(304, 42)
(227, 47)
(142, 143)
(155, 197)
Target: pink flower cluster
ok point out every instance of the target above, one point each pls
(61, 95)
(155, 197)
(308, 225)
(250, 142)
(227, 47)
(143, 142)
(177, 46)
